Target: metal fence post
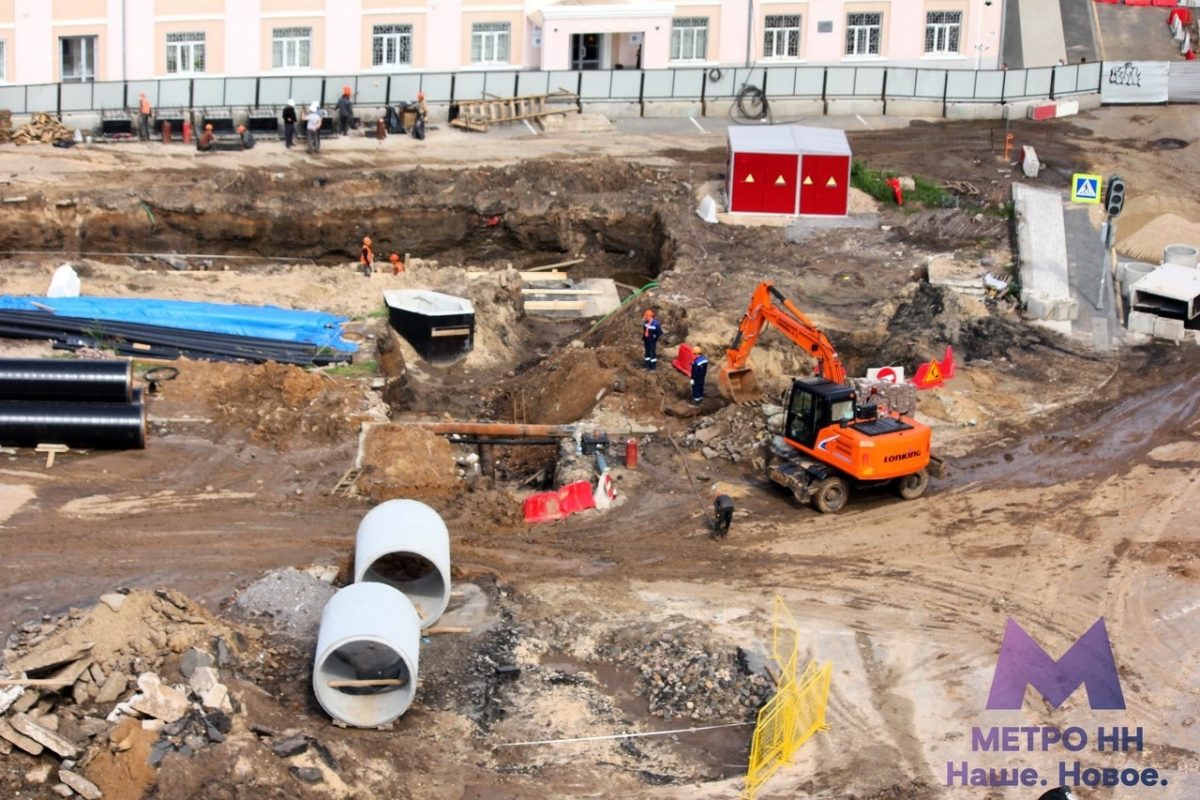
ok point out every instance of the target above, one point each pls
(1003, 86)
(945, 90)
(1053, 76)
(641, 93)
(883, 92)
(59, 103)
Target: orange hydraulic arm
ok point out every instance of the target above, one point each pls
(791, 322)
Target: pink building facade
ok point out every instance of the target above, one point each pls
(47, 41)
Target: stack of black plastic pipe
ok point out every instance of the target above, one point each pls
(79, 403)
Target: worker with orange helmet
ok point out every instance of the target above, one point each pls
(418, 128)
(144, 111)
(652, 331)
(397, 264)
(367, 259)
(205, 142)
(699, 371)
(245, 137)
(345, 111)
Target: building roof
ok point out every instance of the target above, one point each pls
(788, 139)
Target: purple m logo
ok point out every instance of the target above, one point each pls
(1023, 662)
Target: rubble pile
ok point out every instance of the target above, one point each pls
(42, 128)
(684, 676)
(6, 128)
(735, 432)
(87, 688)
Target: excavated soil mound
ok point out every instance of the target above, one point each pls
(400, 461)
(282, 403)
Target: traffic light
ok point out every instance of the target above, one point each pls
(1114, 196)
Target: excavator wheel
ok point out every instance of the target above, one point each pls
(910, 487)
(830, 495)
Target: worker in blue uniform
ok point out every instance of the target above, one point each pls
(699, 371)
(652, 331)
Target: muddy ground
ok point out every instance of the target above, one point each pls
(1073, 475)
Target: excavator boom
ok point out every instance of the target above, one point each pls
(768, 306)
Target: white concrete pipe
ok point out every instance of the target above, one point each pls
(405, 544)
(365, 672)
(1182, 254)
(1130, 273)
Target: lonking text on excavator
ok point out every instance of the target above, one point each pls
(830, 442)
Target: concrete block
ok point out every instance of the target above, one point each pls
(1042, 111)
(974, 111)
(791, 107)
(913, 108)
(1036, 305)
(849, 107)
(672, 108)
(1067, 108)
(1087, 102)
(1164, 328)
(1141, 322)
(613, 109)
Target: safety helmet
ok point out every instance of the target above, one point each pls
(420, 95)
(314, 106)
(367, 241)
(291, 102)
(345, 91)
(208, 127)
(698, 350)
(241, 128)
(648, 313)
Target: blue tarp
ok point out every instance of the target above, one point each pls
(263, 322)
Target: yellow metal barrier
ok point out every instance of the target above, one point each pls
(797, 710)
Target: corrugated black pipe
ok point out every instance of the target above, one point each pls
(94, 380)
(103, 426)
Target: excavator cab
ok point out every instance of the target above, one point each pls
(816, 404)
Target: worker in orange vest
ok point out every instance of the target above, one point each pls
(143, 117)
(367, 259)
(205, 142)
(397, 264)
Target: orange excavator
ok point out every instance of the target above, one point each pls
(831, 442)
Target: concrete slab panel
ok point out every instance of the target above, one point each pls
(974, 111)
(1042, 247)
(1141, 322)
(914, 108)
(672, 108)
(612, 109)
(871, 108)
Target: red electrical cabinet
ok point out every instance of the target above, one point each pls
(788, 169)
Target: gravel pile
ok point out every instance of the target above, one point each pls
(291, 599)
(694, 679)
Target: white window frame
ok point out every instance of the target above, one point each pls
(491, 43)
(191, 46)
(943, 28)
(781, 36)
(88, 48)
(395, 39)
(859, 29)
(291, 54)
(689, 39)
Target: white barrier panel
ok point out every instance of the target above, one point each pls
(1134, 82)
(1184, 83)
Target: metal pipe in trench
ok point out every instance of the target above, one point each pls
(103, 426)
(495, 429)
(94, 380)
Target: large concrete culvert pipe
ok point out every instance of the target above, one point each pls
(405, 544)
(365, 672)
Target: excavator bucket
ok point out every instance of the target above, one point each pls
(739, 385)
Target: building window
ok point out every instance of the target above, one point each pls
(291, 47)
(78, 58)
(863, 34)
(3, 60)
(391, 46)
(782, 38)
(689, 39)
(942, 30)
(185, 52)
(489, 42)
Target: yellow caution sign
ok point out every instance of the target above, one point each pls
(808, 180)
(780, 181)
(934, 373)
(831, 183)
(749, 179)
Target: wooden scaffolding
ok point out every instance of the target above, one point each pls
(478, 115)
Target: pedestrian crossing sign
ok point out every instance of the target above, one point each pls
(1085, 188)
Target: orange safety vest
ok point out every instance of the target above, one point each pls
(367, 255)
(145, 106)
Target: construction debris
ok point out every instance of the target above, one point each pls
(44, 129)
(479, 115)
(6, 128)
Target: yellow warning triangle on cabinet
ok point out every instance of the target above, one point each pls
(808, 180)
(780, 181)
(749, 179)
(831, 184)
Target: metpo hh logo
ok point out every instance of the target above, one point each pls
(1023, 662)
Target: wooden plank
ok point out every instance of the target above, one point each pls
(555, 266)
(561, 291)
(543, 277)
(355, 684)
(434, 630)
(554, 305)
(438, 332)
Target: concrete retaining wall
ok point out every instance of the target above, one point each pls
(914, 108)
(672, 108)
(852, 106)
